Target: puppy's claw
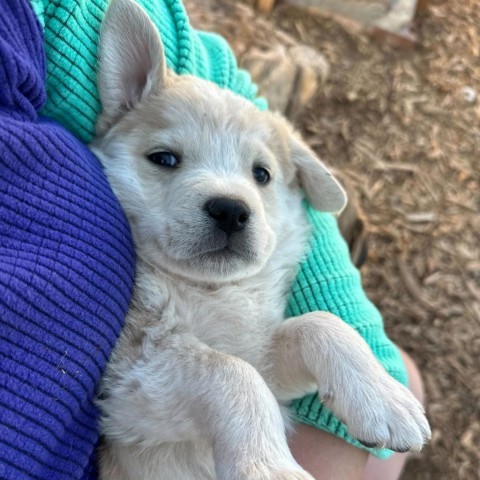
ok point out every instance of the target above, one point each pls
(399, 450)
(368, 444)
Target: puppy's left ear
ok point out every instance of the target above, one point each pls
(131, 60)
(322, 190)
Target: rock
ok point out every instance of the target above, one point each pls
(287, 76)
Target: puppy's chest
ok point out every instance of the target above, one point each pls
(234, 320)
(237, 319)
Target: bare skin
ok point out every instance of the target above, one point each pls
(327, 457)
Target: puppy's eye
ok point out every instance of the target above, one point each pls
(261, 175)
(165, 159)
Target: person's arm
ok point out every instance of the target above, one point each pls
(66, 272)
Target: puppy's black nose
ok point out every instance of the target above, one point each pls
(230, 215)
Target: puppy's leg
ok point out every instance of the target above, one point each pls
(180, 389)
(319, 347)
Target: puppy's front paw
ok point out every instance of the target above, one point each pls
(389, 416)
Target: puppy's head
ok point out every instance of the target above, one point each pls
(205, 178)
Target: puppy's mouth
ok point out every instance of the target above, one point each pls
(211, 260)
(209, 254)
(228, 248)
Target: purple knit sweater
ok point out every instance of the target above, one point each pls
(66, 271)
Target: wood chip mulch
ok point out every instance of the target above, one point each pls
(403, 126)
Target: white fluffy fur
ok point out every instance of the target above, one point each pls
(196, 385)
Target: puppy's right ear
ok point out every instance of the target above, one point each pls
(131, 60)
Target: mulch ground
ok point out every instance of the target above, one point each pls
(403, 126)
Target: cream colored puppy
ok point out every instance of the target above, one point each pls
(197, 384)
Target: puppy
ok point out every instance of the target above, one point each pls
(213, 189)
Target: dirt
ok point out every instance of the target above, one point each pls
(403, 126)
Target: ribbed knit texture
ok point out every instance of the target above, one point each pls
(71, 43)
(66, 257)
(66, 272)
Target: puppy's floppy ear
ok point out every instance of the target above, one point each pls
(131, 60)
(322, 189)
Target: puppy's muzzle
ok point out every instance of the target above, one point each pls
(230, 215)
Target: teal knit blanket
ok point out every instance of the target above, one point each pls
(326, 279)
